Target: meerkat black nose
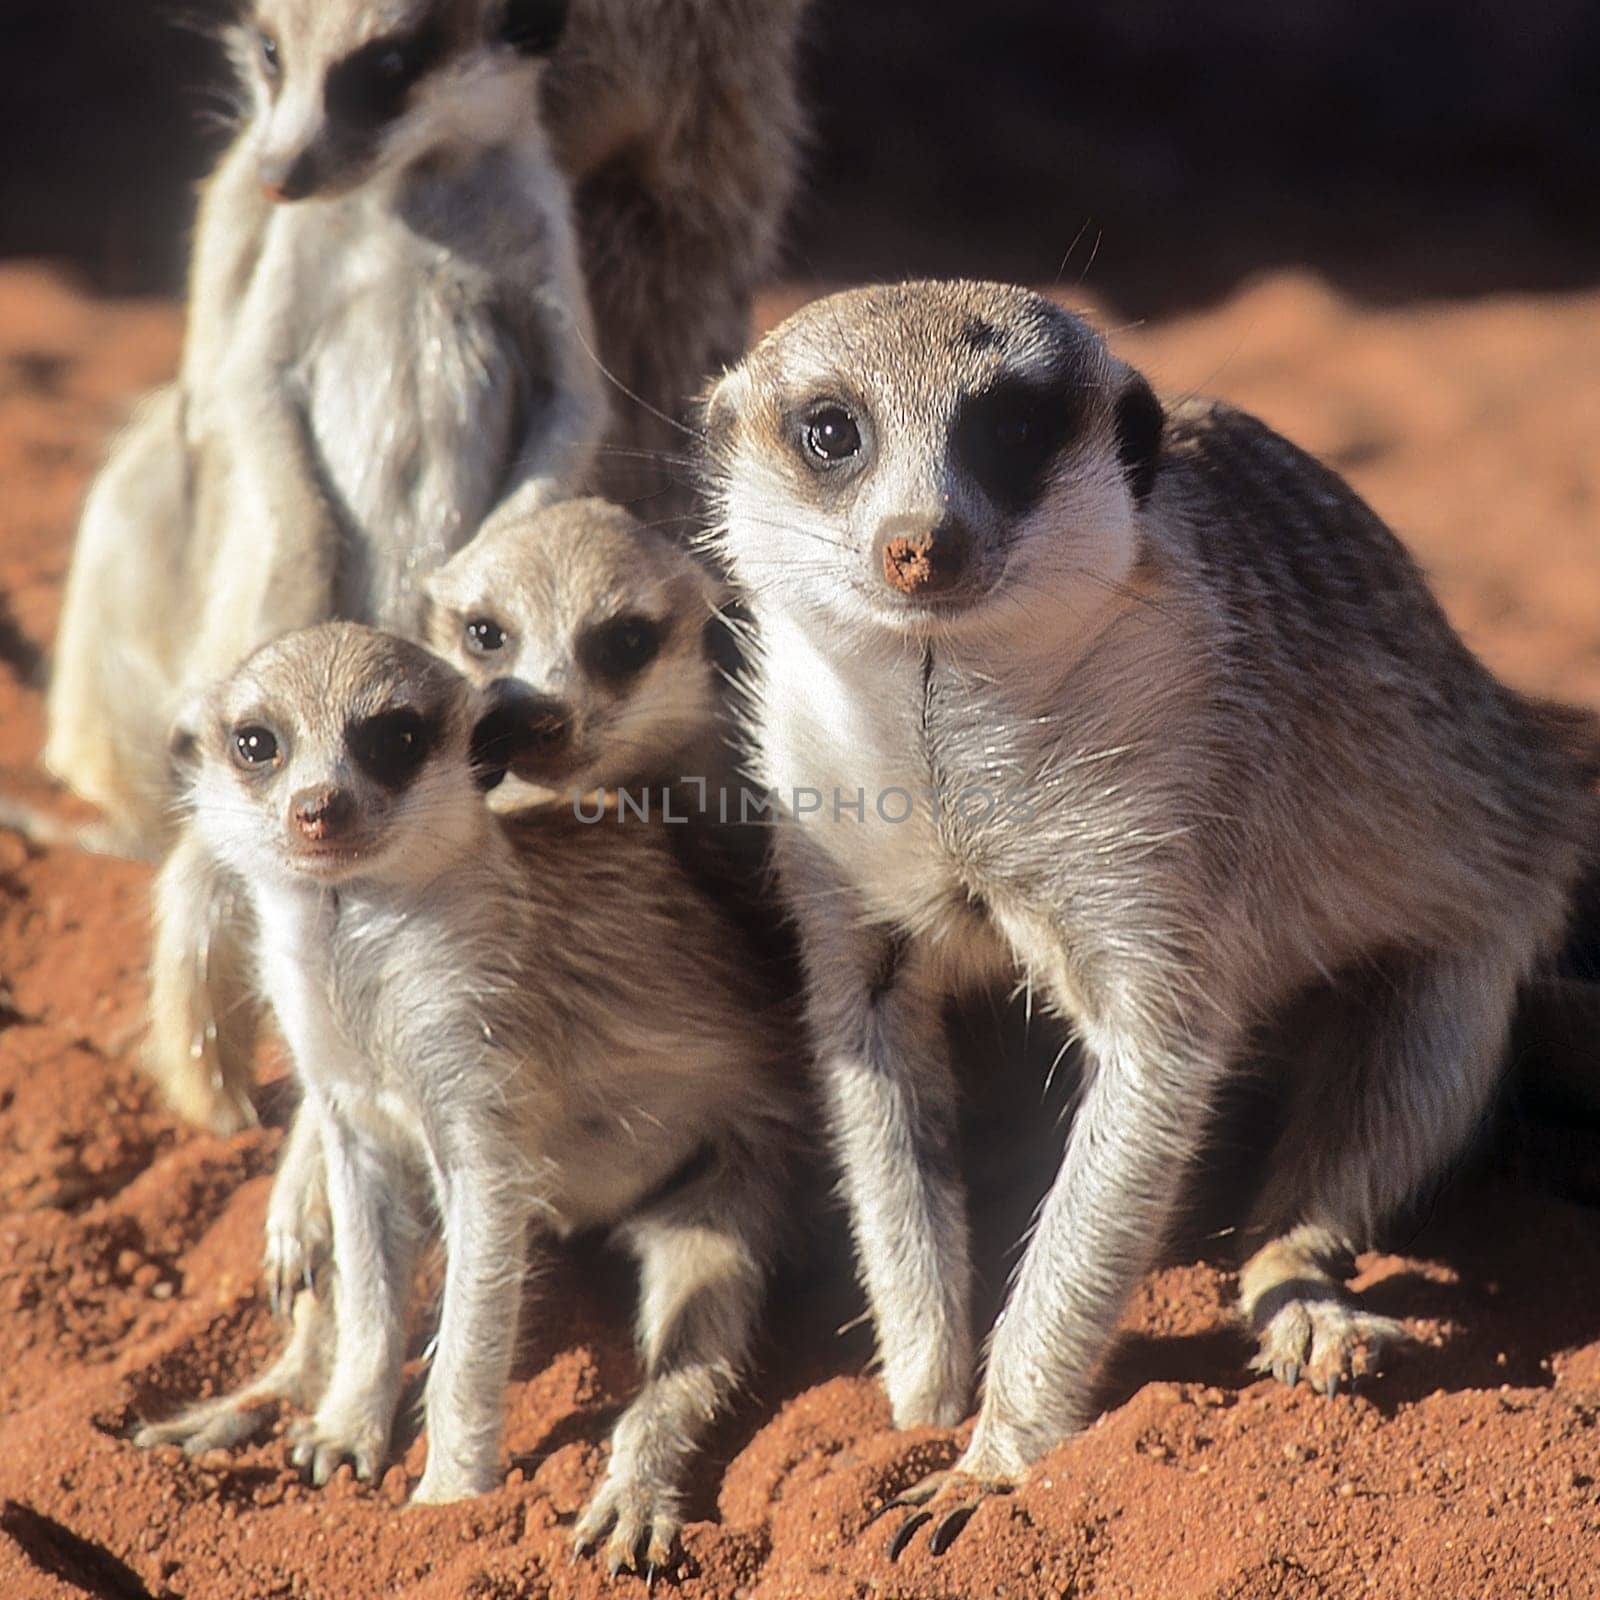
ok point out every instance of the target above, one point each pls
(288, 178)
(548, 723)
(920, 560)
(525, 731)
(322, 814)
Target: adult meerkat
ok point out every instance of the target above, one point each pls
(679, 125)
(388, 334)
(1198, 742)
(474, 1030)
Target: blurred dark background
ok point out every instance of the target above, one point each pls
(1158, 152)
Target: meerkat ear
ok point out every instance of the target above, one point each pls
(183, 737)
(716, 413)
(1139, 421)
(427, 615)
(533, 27)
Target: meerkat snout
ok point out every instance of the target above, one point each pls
(538, 729)
(921, 561)
(322, 814)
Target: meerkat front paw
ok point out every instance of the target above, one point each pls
(644, 1518)
(298, 1249)
(320, 1445)
(947, 1499)
(220, 1424)
(1328, 1341)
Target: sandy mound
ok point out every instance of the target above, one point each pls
(128, 1247)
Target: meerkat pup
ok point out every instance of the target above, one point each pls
(589, 629)
(597, 625)
(601, 622)
(388, 335)
(518, 1025)
(1145, 708)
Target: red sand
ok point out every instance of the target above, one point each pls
(128, 1246)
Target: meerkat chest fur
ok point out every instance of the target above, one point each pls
(409, 337)
(379, 996)
(989, 802)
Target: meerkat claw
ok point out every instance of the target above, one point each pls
(949, 1530)
(954, 1493)
(906, 1532)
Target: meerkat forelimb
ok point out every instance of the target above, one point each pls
(1190, 736)
(447, 981)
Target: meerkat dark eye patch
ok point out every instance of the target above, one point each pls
(1140, 422)
(371, 85)
(534, 27)
(622, 647)
(1008, 435)
(392, 746)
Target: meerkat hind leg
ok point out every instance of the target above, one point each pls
(1394, 1085)
(105, 717)
(1307, 1322)
(701, 1281)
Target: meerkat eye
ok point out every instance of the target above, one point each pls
(831, 435)
(1011, 433)
(270, 62)
(391, 746)
(369, 87)
(624, 646)
(254, 746)
(485, 636)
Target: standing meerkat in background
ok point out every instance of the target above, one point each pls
(1148, 710)
(679, 125)
(388, 334)
(521, 1023)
